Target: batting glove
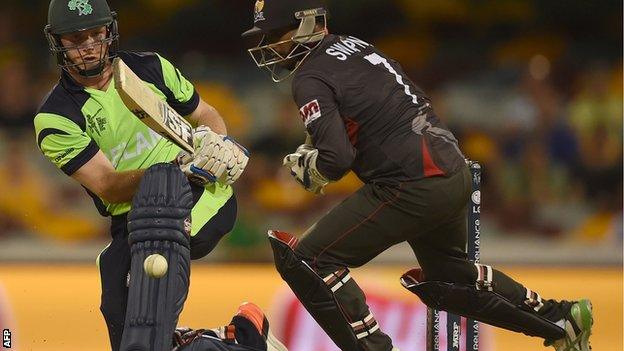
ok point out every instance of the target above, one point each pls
(217, 158)
(210, 160)
(238, 162)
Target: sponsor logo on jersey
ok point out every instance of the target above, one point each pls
(134, 147)
(64, 154)
(346, 47)
(404, 319)
(258, 13)
(310, 112)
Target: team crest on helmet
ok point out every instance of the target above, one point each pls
(83, 7)
(259, 14)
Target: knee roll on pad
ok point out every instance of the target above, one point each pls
(159, 222)
(317, 293)
(482, 304)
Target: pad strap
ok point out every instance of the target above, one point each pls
(485, 276)
(533, 300)
(337, 279)
(365, 327)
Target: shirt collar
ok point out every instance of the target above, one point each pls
(69, 83)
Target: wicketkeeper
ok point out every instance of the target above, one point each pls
(84, 129)
(363, 114)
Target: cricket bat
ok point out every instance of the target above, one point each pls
(150, 109)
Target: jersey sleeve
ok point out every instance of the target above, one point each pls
(184, 99)
(319, 112)
(63, 142)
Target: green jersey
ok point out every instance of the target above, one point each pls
(75, 122)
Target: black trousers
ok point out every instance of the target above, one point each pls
(430, 214)
(114, 262)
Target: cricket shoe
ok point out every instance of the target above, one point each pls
(578, 324)
(254, 314)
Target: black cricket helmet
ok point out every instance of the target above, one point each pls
(273, 19)
(70, 16)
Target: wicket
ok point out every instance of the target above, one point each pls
(453, 322)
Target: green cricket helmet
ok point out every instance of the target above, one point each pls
(70, 16)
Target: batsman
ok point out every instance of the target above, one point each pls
(137, 177)
(363, 113)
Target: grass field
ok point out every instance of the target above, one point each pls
(57, 307)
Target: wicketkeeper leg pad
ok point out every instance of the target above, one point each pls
(159, 223)
(481, 302)
(317, 294)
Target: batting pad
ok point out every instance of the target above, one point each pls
(159, 223)
(480, 304)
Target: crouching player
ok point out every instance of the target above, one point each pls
(364, 114)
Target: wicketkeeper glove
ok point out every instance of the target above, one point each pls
(302, 164)
(217, 158)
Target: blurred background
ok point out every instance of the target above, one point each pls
(532, 89)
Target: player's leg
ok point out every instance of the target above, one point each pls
(159, 223)
(248, 330)
(316, 268)
(448, 281)
(114, 264)
(213, 229)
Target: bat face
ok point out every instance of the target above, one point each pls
(140, 114)
(176, 124)
(150, 109)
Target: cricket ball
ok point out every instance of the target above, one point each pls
(155, 266)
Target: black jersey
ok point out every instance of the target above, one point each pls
(365, 115)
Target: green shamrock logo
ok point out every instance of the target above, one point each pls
(83, 7)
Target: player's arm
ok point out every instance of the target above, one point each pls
(187, 102)
(99, 176)
(322, 119)
(73, 151)
(68, 147)
(206, 115)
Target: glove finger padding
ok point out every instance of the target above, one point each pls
(210, 157)
(184, 158)
(216, 158)
(211, 165)
(238, 162)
